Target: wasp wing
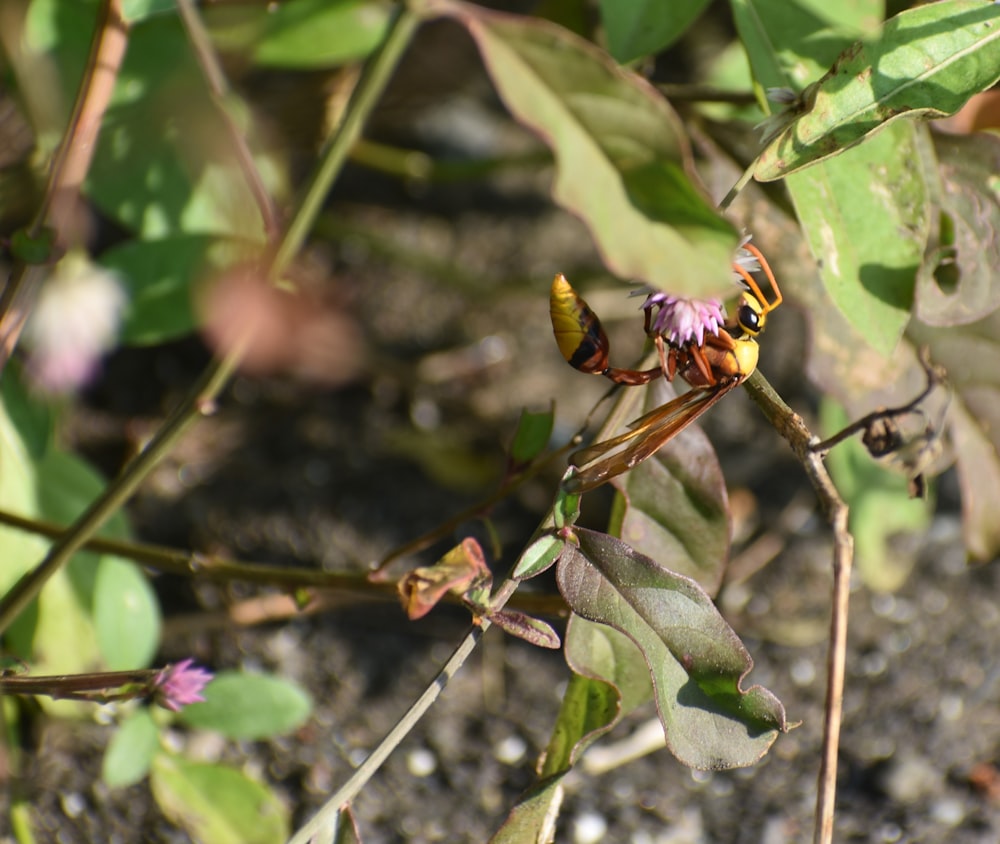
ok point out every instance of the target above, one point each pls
(647, 435)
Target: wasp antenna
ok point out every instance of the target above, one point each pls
(766, 267)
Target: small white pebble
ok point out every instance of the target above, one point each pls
(589, 828)
(803, 672)
(510, 750)
(421, 762)
(73, 804)
(951, 707)
(948, 811)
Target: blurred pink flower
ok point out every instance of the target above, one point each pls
(181, 684)
(74, 322)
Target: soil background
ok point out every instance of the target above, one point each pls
(443, 291)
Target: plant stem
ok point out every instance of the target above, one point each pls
(325, 819)
(366, 95)
(790, 425)
(202, 397)
(118, 492)
(69, 168)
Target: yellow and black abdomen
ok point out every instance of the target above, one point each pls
(579, 333)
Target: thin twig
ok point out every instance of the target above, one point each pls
(475, 511)
(790, 425)
(373, 80)
(204, 52)
(326, 585)
(326, 818)
(117, 493)
(935, 376)
(68, 171)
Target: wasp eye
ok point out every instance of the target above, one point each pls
(749, 319)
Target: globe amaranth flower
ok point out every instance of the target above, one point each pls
(681, 319)
(180, 684)
(74, 322)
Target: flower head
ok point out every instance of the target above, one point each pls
(180, 684)
(682, 320)
(75, 321)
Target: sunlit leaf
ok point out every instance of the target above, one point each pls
(134, 11)
(537, 557)
(649, 219)
(125, 610)
(159, 276)
(218, 804)
(637, 28)
(162, 165)
(925, 62)
(696, 661)
(127, 615)
(131, 749)
(958, 282)
(866, 216)
(299, 34)
(249, 706)
(774, 34)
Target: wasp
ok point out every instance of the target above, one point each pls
(713, 365)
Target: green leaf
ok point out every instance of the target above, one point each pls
(926, 62)
(589, 708)
(790, 43)
(160, 276)
(59, 34)
(124, 608)
(162, 166)
(127, 615)
(696, 661)
(131, 750)
(637, 28)
(217, 804)
(300, 34)
(649, 219)
(674, 506)
(31, 418)
(866, 216)
(249, 706)
(601, 653)
(532, 436)
(20, 550)
(958, 281)
(134, 11)
(538, 556)
(880, 507)
(33, 250)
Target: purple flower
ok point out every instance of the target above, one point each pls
(681, 320)
(180, 684)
